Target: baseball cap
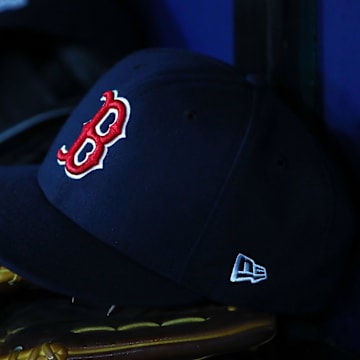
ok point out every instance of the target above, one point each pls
(175, 180)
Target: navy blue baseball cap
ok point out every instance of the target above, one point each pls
(175, 180)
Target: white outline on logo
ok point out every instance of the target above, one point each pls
(122, 135)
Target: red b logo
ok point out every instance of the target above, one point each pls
(93, 136)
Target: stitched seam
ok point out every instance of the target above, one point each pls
(223, 187)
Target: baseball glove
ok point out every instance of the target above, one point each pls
(52, 327)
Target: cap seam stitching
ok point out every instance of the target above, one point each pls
(223, 187)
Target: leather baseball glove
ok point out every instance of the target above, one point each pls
(53, 327)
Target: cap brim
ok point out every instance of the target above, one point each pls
(42, 245)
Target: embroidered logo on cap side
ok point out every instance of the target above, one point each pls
(90, 148)
(245, 269)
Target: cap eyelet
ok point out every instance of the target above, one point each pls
(190, 115)
(282, 163)
(137, 66)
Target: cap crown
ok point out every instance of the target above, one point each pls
(191, 166)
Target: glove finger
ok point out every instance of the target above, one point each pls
(85, 333)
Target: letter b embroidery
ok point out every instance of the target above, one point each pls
(90, 148)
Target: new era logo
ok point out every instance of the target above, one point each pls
(245, 269)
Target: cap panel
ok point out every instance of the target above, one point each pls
(45, 247)
(159, 183)
(285, 209)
